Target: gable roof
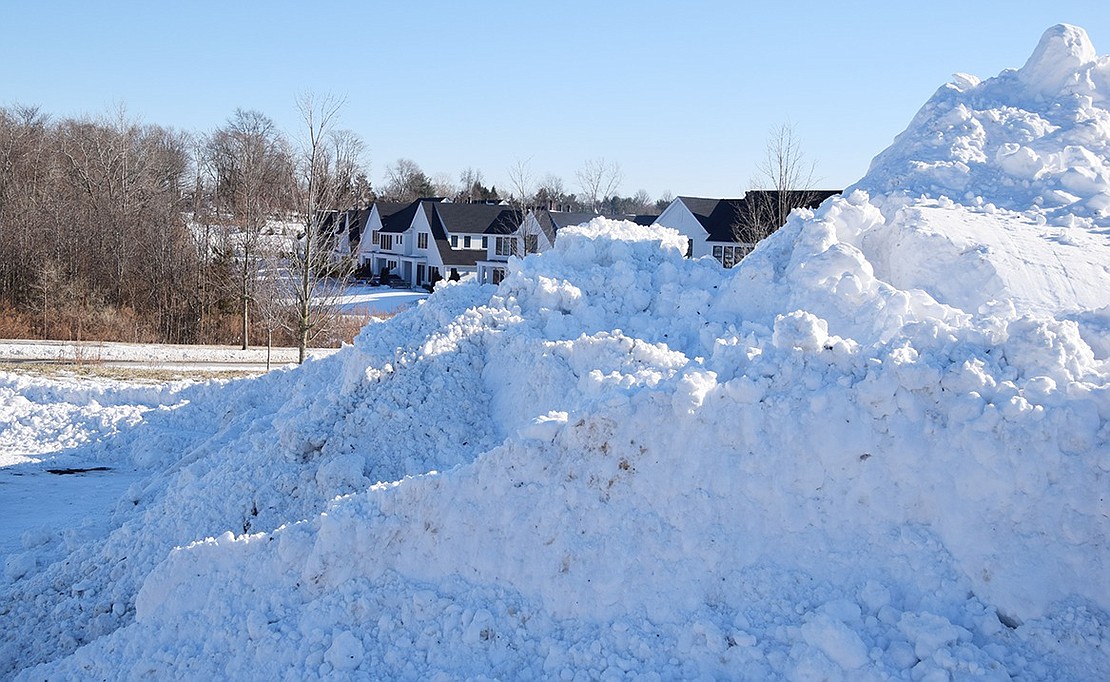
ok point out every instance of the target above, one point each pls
(357, 225)
(468, 218)
(388, 208)
(719, 216)
(464, 222)
(506, 222)
(553, 221)
(400, 220)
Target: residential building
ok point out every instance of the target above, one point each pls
(511, 236)
(728, 229)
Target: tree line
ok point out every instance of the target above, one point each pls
(115, 229)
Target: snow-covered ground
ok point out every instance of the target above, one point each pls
(362, 299)
(877, 449)
(149, 355)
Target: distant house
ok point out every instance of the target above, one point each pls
(393, 244)
(717, 227)
(380, 213)
(430, 239)
(510, 235)
(462, 234)
(342, 231)
(335, 231)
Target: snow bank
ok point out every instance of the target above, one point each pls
(878, 448)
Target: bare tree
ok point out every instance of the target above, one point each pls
(327, 160)
(663, 201)
(93, 231)
(405, 181)
(550, 192)
(641, 202)
(471, 184)
(599, 179)
(784, 181)
(252, 165)
(525, 211)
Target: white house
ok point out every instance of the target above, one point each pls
(380, 213)
(429, 239)
(510, 236)
(712, 226)
(343, 230)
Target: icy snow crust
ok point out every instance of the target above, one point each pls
(877, 449)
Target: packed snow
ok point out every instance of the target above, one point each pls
(877, 449)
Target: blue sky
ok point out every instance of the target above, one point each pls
(681, 95)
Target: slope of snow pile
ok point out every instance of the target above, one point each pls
(1026, 155)
(843, 459)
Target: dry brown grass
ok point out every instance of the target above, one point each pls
(15, 324)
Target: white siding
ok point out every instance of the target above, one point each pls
(678, 217)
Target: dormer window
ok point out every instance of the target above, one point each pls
(454, 241)
(466, 242)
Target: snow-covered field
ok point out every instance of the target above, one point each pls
(877, 449)
(368, 300)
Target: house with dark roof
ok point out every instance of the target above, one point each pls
(728, 229)
(342, 230)
(429, 239)
(510, 235)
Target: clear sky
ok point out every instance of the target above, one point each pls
(681, 94)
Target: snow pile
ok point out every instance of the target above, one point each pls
(1009, 163)
(876, 449)
(39, 417)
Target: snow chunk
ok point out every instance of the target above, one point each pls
(1055, 63)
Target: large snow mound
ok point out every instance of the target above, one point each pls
(876, 449)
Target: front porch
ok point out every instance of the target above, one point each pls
(492, 271)
(412, 269)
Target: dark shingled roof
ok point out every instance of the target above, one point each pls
(560, 219)
(388, 208)
(358, 224)
(449, 256)
(467, 218)
(401, 219)
(720, 216)
(506, 222)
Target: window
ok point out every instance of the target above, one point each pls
(689, 248)
(504, 246)
(731, 254)
(400, 239)
(374, 237)
(422, 240)
(386, 241)
(531, 243)
(485, 242)
(466, 242)
(497, 275)
(454, 241)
